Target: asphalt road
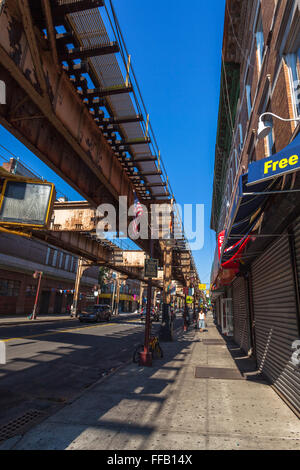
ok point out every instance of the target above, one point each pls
(50, 364)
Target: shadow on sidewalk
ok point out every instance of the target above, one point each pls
(245, 364)
(116, 403)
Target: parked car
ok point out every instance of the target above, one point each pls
(154, 314)
(95, 313)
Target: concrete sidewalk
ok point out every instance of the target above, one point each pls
(167, 408)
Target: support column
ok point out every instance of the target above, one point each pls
(79, 273)
(166, 329)
(154, 298)
(141, 295)
(146, 355)
(188, 284)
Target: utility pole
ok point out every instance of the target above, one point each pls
(35, 275)
(77, 284)
(141, 295)
(117, 293)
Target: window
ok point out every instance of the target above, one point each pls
(30, 291)
(67, 262)
(47, 256)
(249, 100)
(241, 137)
(260, 43)
(293, 62)
(9, 288)
(60, 260)
(236, 162)
(54, 258)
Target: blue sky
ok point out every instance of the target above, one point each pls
(176, 54)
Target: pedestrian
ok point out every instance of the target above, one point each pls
(201, 320)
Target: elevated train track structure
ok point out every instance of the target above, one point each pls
(73, 99)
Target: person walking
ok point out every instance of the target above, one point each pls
(201, 320)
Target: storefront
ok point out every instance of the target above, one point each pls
(263, 242)
(241, 318)
(277, 317)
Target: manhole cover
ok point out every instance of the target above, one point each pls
(217, 373)
(20, 425)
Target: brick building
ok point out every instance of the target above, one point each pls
(256, 271)
(20, 258)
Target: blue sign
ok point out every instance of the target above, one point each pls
(283, 162)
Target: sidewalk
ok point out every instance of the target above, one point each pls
(23, 319)
(167, 408)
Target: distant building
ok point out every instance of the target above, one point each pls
(255, 281)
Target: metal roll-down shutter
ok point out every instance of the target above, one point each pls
(275, 314)
(240, 314)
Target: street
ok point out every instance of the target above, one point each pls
(149, 226)
(49, 364)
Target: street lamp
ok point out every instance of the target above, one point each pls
(37, 274)
(264, 128)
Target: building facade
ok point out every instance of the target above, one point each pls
(21, 257)
(255, 277)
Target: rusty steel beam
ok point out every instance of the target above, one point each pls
(74, 69)
(85, 52)
(151, 173)
(91, 250)
(47, 115)
(102, 92)
(134, 142)
(143, 159)
(155, 185)
(124, 120)
(66, 138)
(51, 32)
(63, 8)
(33, 46)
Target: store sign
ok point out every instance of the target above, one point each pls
(151, 268)
(221, 237)
(189, 300)
(272, 167)
(202, 286)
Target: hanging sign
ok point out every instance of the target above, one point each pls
(202, 286)
(189, 300)
(221, 237)
(151, 268)
(283, 162)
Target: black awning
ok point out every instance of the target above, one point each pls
(245, 213)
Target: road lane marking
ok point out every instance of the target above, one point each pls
(59, 331)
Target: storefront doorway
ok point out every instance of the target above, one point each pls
(226, 317)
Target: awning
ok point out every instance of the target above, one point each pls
(252, 194)
(245, 213)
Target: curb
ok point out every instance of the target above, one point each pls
(27, 322)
